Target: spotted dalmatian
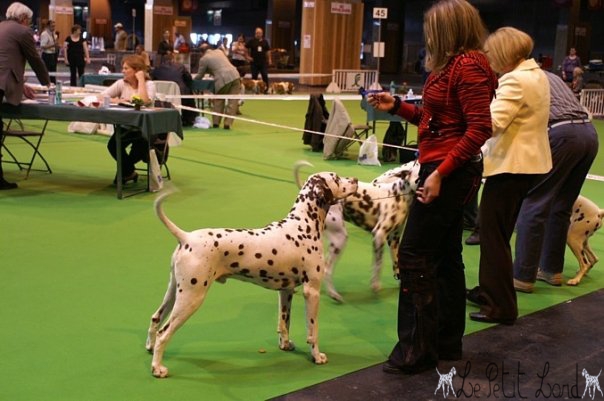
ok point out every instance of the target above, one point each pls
(585, 220)
(281, 256)
(380, 207)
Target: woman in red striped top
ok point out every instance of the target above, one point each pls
(453, 123)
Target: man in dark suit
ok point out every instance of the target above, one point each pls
(17, 46)
(171, 70)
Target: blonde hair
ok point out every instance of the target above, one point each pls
(451, 27)
(507, 47)
(577, 72)
(136, 62)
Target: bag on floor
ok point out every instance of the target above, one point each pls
(156, 181)
(368, 153)
(80, 127)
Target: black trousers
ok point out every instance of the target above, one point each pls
(261, 69)
(76, 70)
(50, 60)
(502, 197)
(138, 149)
(432, 304)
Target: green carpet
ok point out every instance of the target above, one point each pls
(82, 272)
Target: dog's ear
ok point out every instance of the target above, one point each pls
(321, 192)
(404, 174)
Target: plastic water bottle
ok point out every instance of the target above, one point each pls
(59, 93)
(410, 94)
(52, 94)
(392, 88)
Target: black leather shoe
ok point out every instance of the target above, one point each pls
(5, 185)
(474, 296)
(481, 317)
(392, 369)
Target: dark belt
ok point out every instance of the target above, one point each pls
(564, 122)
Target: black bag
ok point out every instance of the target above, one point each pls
(395, 135)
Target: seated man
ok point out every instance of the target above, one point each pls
(171, 70)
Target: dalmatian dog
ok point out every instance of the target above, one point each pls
(254, 86)
(445, 382)
(281, 256)
(380, 207)
(585, 220)
(592, 383)
(281, 88)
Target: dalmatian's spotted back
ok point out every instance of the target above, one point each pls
(280, 256)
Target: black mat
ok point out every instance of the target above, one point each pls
(541, 357)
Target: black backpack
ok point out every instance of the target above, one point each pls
(395, 135)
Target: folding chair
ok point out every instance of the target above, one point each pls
(339, 127)
(32, 138)
(168, 88)
(160, 141)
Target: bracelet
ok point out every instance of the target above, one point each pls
(397, 105)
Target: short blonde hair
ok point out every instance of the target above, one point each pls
(507, 47)
(451, 27)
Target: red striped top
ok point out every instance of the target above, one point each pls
(454, 120)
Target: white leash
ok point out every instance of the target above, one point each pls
(250, 120)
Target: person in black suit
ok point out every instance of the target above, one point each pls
(165, 47)
(16, 47)
(173, 71)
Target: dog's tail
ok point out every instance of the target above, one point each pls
(297, 166)
(173, 228)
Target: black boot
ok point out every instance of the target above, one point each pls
(3, 183)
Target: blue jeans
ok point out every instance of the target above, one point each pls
(432, 303)
(545, 214)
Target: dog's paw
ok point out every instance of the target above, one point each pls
(287, 346)
(320, 359)
(335, 296)
(376, 286)
(160, 372)
(573, 282)
(149, 345)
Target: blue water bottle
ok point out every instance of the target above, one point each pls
(52, 94)
(59, 93)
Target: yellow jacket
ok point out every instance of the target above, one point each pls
(520, 112)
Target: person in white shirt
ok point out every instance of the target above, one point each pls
(50, 48)
(179, 40)
(135, 82)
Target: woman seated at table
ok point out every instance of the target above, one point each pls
(135, 82)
